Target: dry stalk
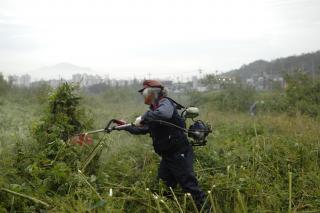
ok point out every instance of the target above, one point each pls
(185, 202)
(290, 192)
(156, 198)
(212, 202)
(167, 207)
(91, 187)
(35, 200)
(193, 203)
(175, 199)
(240, 200)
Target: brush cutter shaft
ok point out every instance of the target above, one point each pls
(108, 129)
(95, 131)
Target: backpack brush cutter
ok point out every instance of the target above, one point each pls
(197, 133)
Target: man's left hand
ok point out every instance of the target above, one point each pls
(137, 122)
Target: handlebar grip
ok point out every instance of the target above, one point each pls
(119, 122)
(121, 127)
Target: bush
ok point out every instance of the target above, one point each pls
(235, 97)
(303, 94)
(274, 101)
(51, 163)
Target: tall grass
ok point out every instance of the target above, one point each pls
(267, 163)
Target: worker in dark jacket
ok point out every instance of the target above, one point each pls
(176, 166)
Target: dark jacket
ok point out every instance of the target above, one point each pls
(166, 139)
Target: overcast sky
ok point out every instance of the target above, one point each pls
(166, 38)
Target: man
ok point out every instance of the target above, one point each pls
(176, 166)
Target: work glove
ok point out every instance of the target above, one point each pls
(137, 122)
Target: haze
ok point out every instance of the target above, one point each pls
(160, 39)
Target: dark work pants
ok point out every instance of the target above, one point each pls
(176, 169)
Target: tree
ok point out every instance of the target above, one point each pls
(209, 80)
(3, 85)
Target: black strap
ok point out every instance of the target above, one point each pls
(178, 106)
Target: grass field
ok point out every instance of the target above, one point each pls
(266, 163)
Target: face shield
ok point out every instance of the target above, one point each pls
(147, 91)
(151, 95)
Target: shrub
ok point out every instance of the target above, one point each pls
(303, 94)
(235, 97)
(53, 162)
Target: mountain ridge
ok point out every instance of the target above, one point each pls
(309, 62)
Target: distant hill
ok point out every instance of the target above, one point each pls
(309, 62)
(58, 70)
